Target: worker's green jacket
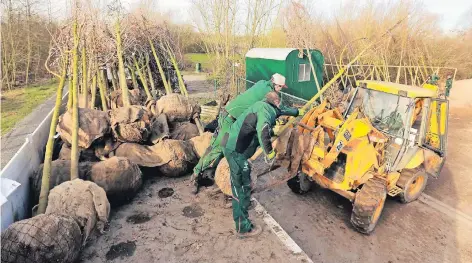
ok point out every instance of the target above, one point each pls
(448, 83)
(254, 94)
(251, 129)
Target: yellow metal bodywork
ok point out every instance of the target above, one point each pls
(437, 117)
(416, 160)
(427, 91)
(352, 141)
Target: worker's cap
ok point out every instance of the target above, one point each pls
(279, 80)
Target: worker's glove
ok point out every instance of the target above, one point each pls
(270, 157)
(301, 112)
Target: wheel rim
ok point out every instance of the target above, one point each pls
(378, 210)
(416, 185)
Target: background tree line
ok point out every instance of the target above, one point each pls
(25, 39)
(228, 29)
(225, 30)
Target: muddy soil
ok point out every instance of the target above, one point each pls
(180, 228)
(454, 185)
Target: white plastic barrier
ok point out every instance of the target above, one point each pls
(14, 178)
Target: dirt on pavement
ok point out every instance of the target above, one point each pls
(166, 223)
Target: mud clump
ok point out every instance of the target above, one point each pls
(193, 211)
(138, 218)
(123, 249)
(206, 182)
(165, 192)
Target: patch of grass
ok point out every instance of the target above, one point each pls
(193, 58)
(18, 103)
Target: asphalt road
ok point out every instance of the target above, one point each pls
(319, 221)
(13, 140)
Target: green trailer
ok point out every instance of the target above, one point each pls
(294, 64)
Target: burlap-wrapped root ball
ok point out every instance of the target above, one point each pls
(181, 158)
(105, 147)
(93, 124)
(84, 201)
(42, 239)
(118, 176)
(159, 129)
(85, 155)
(171, 157)
(131, 124)
(201, 143)
(222, 177)
(136, 97)
(177, 108)
(183, 131)
(60, 172)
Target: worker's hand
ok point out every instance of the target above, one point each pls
(301, 112)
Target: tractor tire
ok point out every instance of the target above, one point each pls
(368, 205)
(300, 184)
(412, 182)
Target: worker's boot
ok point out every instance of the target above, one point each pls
(195, 184)
(255, 231)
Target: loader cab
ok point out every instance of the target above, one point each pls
(412, 117)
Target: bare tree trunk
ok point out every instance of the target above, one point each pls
(93, 91)
(28, 33)
(182, 87)
(151, 79)
(12, 47)
(121, 66)
(84, 76)
(114, 78)
(133, 77)
(43, 196)
(102, 88)
(69, 97)
(143, 78)
(74, 166)
(161, 72)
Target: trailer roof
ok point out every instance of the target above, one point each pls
(400, 89)
(269, 53)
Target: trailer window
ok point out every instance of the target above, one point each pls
(303, 72)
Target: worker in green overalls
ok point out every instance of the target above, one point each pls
(251, 129)
(433, 79)
(229, 114)
(448, 85)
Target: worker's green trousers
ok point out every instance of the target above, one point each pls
(241, 188)
(214, 153)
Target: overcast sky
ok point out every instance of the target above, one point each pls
(450, 11)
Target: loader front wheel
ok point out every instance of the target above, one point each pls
(412, 182)
(368, 205)
(300, 184)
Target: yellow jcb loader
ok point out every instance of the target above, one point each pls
(389, 139)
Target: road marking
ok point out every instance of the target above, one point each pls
(445, 209)
(280, 233)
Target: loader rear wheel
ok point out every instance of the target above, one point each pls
(412, 182)
(300, 184)
(368, 205)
